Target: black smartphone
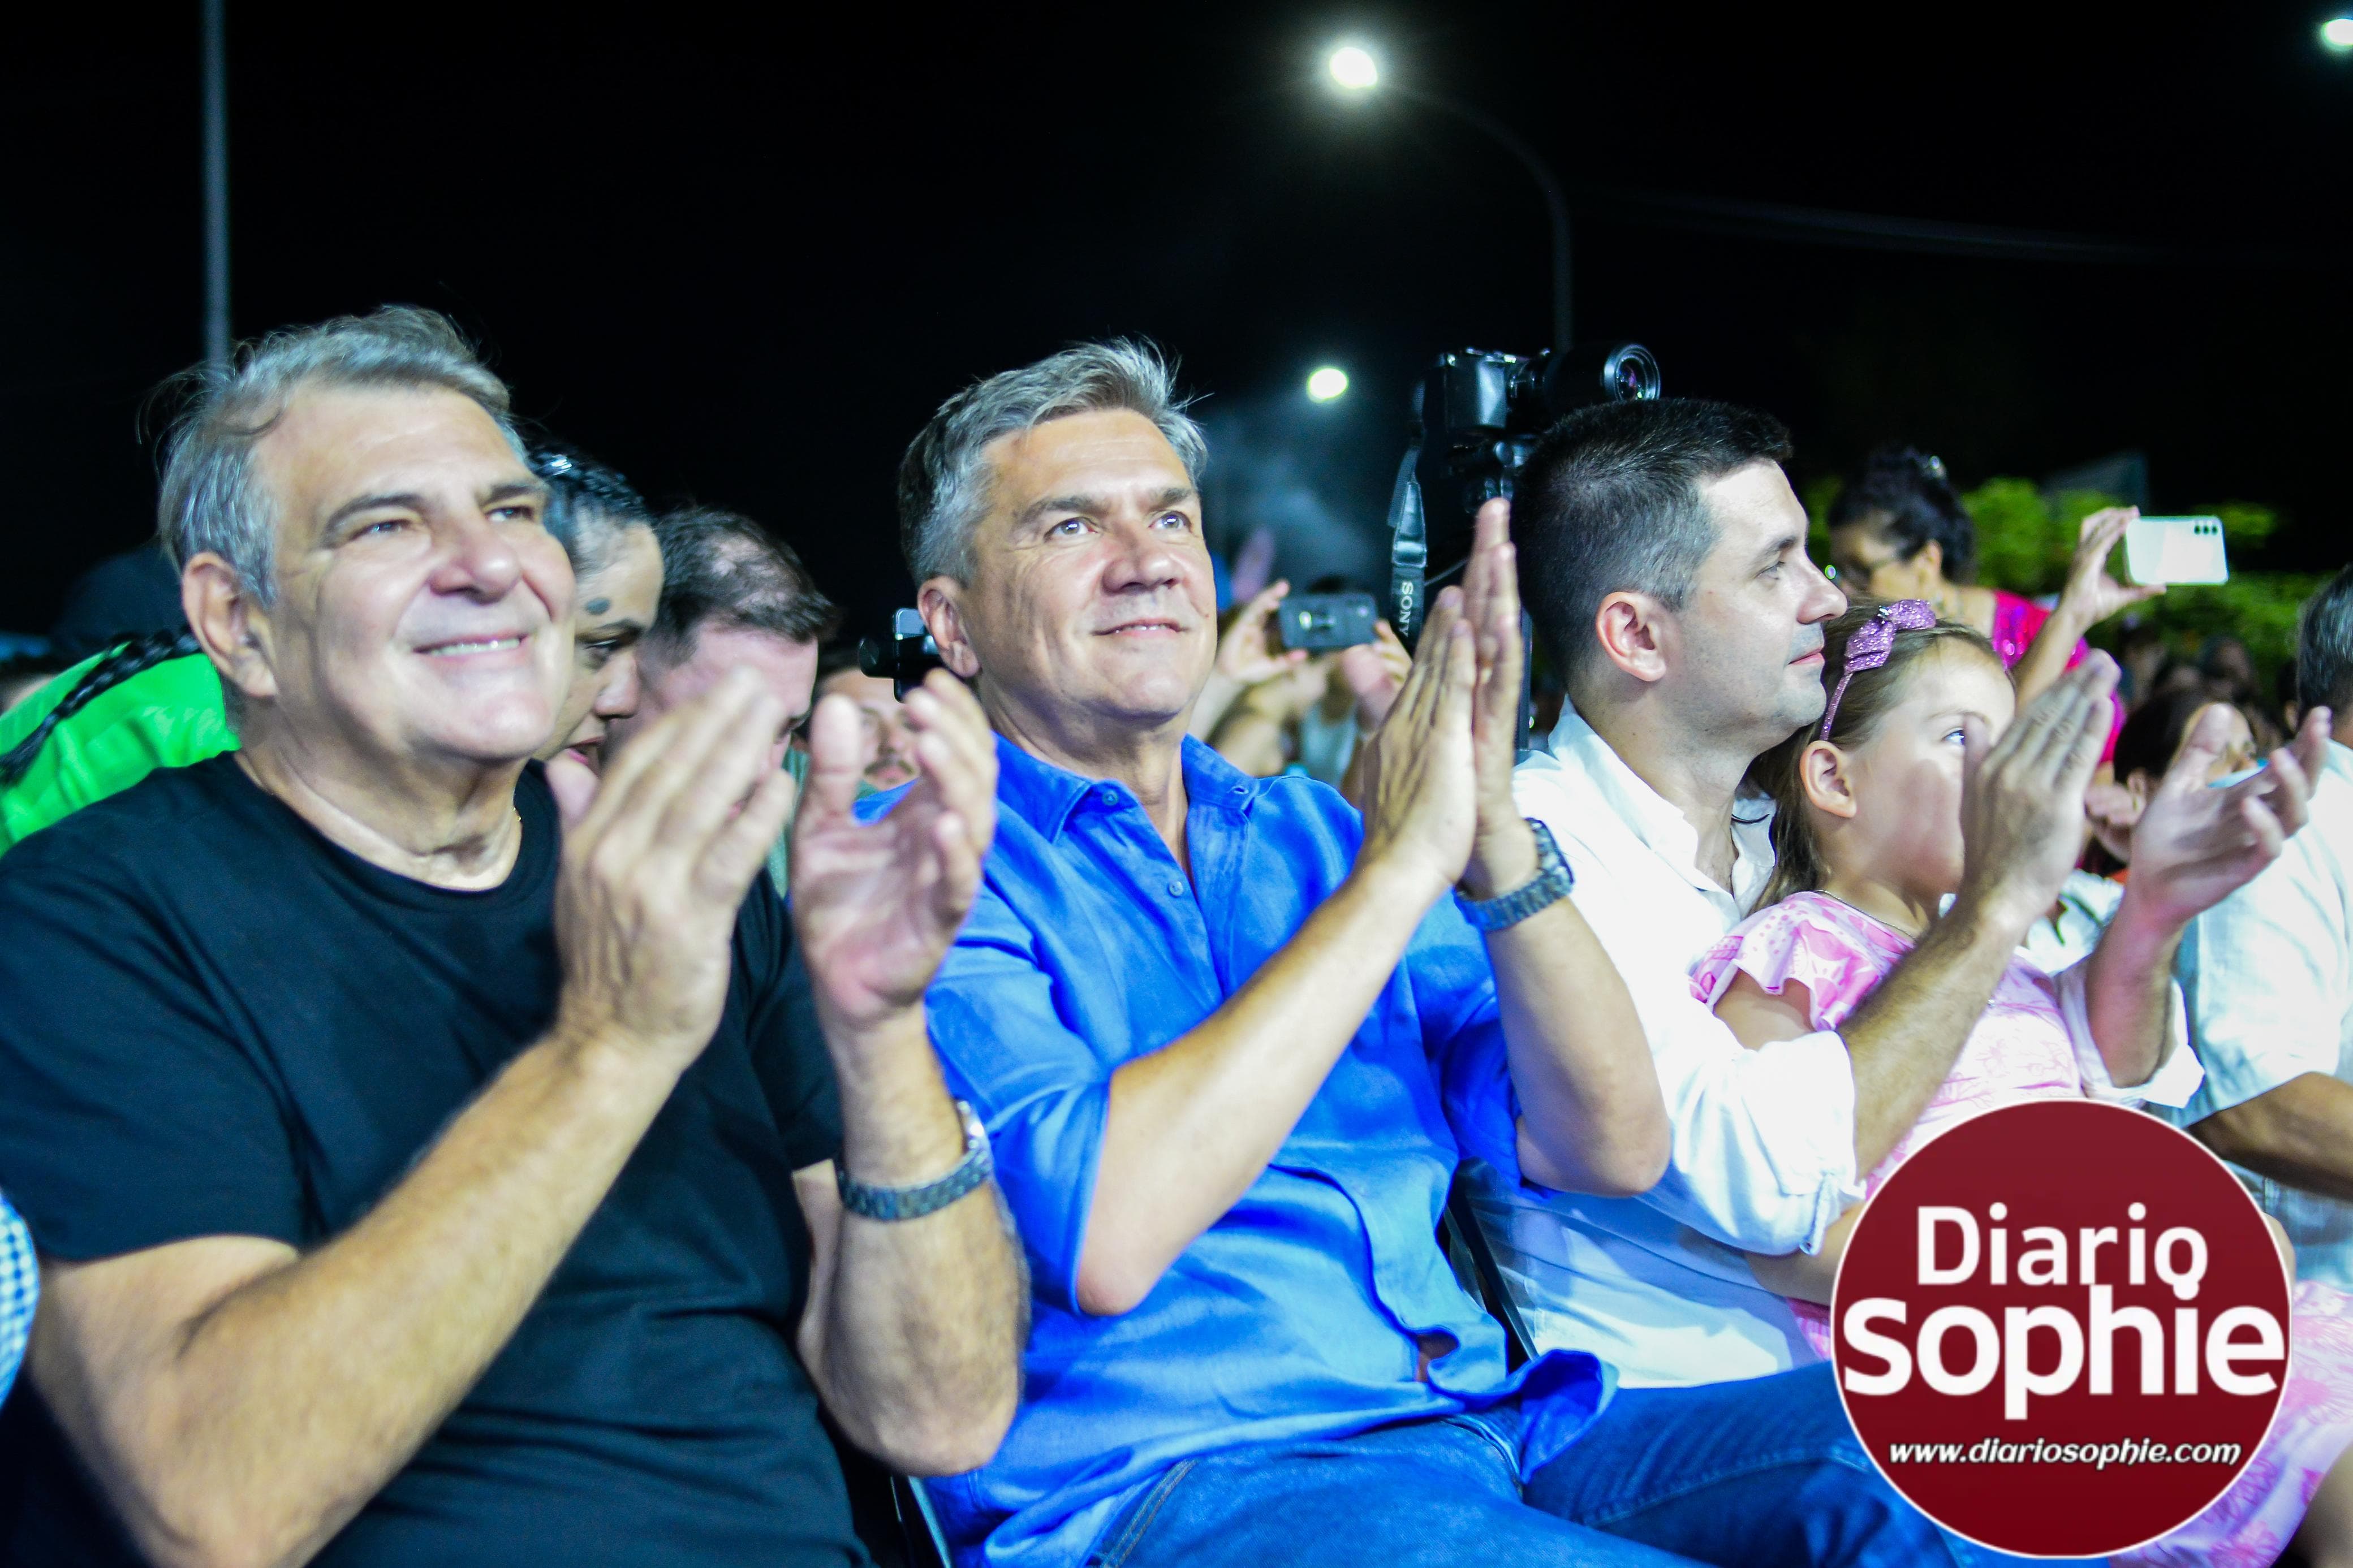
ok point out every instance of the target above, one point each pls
(1325, 620)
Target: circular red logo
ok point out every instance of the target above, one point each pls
(2061, 1329)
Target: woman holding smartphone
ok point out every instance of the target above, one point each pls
(1898, 531)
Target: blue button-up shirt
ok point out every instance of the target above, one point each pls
(1299, 1314)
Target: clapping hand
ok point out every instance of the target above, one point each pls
(1505, 855)
(657, 855)
(1437, 775)
(875, 905)
(1416, 774)
(2022, 796)
(2195, 844)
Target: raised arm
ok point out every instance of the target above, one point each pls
(1592, 1117)
(1192, 1125)
(239, 1402)
(2091, 595)
(914, 1329)
(2192, 848)
(2022, 820)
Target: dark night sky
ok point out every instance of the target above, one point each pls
(742, 255)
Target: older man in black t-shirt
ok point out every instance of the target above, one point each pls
(426, 1161)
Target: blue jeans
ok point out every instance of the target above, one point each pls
(1764, 1473)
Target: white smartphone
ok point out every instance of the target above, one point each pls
(2175, 550)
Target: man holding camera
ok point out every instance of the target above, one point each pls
(425, 1162)
(1231, 1038)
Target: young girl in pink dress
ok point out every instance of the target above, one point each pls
(1867, 842)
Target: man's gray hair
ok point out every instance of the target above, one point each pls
(212, 500)
(944, 482)
(2324, 646)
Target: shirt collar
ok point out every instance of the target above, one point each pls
(1656, 821)
(1045, 795)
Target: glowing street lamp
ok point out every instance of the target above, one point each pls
(2335, 37)
(1327, 382)
(1353, 68)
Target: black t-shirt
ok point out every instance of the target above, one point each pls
(214, 1022)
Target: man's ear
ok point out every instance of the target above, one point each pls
(1633, 630)
(939, 603)
(1823, 773)
(1929, 559)
(233, 628)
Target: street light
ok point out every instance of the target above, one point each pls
(2335, 37)
(1327, 382)
(214, 57)
(1353, 68)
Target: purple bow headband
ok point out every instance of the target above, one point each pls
(1873, 642)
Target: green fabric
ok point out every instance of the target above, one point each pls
(780, 853)
(166, 716)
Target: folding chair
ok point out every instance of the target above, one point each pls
(1465, 1245)
(918, 1525)
(889, 1511)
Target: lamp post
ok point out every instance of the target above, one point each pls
(1354, 71)
(215, 112)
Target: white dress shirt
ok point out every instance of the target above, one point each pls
(1764, 1140)
(2269, 977)
(1763, 1157)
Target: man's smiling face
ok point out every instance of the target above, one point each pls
(423, 611)
(1090, 589)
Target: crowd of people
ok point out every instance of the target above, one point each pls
(512, 1050)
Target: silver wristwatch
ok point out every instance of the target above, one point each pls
(1553, 882)
(913, 1203)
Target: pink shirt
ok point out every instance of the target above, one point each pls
(2020, 1050)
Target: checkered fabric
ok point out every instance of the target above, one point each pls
(19, 1288)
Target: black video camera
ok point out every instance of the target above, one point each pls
(1477, 416)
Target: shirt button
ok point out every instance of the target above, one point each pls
(1108, 795)
(1176, 888)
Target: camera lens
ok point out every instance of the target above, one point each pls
(1629, 375)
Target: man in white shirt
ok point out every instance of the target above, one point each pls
(2269, 975)
(1663, 557)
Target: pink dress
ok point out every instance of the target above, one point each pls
(2021, 1050)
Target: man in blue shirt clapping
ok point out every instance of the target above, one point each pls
(1231, 1041)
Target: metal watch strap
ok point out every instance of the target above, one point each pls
(913, 1203)
(1553, 882)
